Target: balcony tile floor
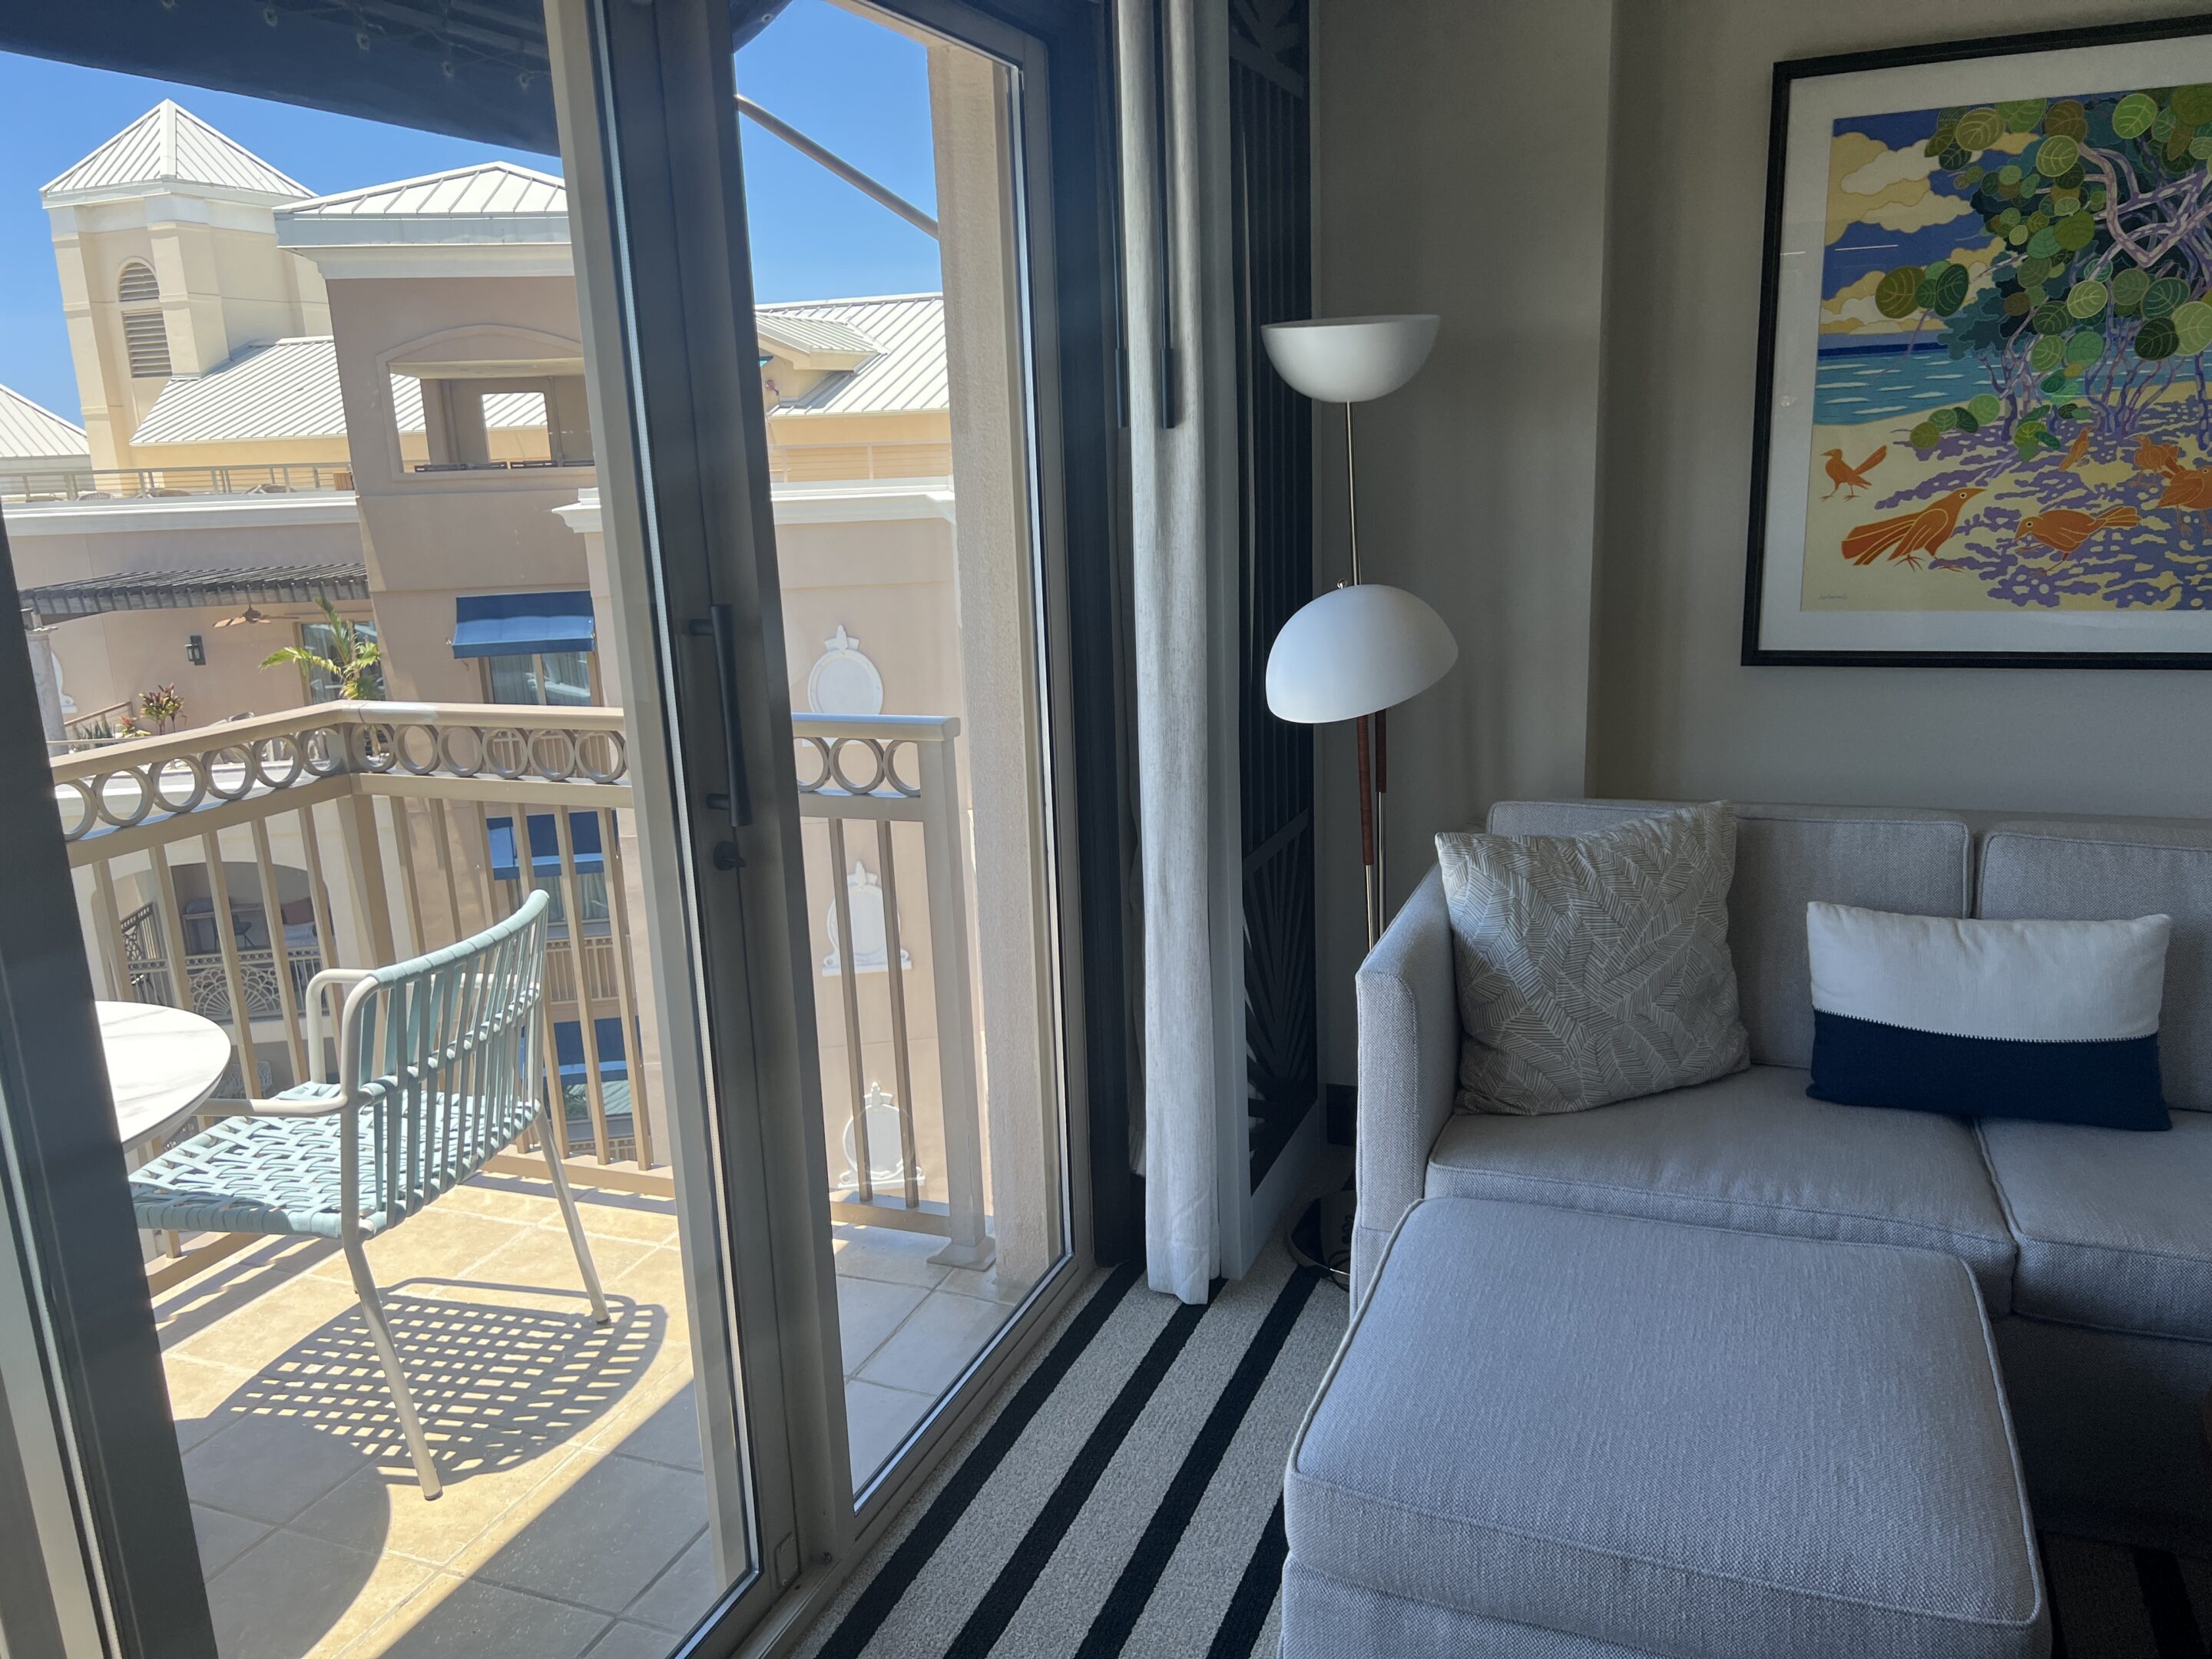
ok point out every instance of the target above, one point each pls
(575, 1516)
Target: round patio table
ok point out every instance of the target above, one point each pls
(162, 1064)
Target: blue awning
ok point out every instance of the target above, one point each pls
(545, 845)
(518, 624)
(568, 1048)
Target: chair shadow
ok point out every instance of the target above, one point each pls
(496, 1384)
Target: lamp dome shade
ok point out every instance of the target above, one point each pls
(1350, 360)
(1355, 650)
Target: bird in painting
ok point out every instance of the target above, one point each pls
(1908, 535)
(1850, 479)
(2188, 490)
(2066, 528)
(2081, 447)
(2156, 458)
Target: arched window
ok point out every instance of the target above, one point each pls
(145, 336)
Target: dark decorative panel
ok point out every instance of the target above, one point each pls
(1273, 237)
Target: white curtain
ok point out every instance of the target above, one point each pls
(1173, 59)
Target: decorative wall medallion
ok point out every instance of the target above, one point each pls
(844, 680)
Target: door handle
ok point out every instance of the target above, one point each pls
(720, 625)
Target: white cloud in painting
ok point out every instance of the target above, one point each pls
(1850, 309)
(1869, 183)
(1888, 166)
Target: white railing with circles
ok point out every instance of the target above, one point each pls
(382, 811)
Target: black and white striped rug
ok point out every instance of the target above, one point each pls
(1125, 1498)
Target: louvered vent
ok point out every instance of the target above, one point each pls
(145, 336)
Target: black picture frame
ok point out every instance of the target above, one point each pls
(1787, 73)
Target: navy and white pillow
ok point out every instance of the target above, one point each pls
(2052, 1020)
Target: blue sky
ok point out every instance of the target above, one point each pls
(852, 84)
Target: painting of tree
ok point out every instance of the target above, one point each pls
(2041, 432)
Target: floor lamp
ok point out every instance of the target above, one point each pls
(1359, 650)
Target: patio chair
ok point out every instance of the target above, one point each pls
(436, 1072)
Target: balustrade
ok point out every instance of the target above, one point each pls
(373, 823)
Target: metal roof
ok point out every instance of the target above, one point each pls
(186, 590)
(170, 145)
(492, 202)
(906, 375)
(289, 389)
(29, 432)
(810, 335)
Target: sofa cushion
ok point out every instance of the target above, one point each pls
(1879, 858)
(1593, 968)
(1640, 1433)
(2095, 872)
(2115, 1229)
(1749, 1152)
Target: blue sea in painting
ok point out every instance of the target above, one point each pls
(1868, 383)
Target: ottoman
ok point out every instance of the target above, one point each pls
(1565, 1435)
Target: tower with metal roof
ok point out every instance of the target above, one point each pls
(170, 265)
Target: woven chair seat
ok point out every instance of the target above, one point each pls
(280, 1175)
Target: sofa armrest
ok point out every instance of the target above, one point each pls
(1409, 1043)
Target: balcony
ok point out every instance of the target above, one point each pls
(344, 835)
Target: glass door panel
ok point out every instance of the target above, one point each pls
(300, 494)
(891, 261)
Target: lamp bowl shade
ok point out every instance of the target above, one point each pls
(1355, 650)
(1349, 360)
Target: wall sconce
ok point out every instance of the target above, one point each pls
(196, 651)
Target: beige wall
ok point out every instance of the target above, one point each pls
(106, 658)
(430, 538)
(1459, 161)
(1674, 713)
(225, 284)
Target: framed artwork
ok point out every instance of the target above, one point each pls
(1983, 428)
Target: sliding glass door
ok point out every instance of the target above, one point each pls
(895, 266)
(535, 1052)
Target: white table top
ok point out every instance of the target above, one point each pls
(162, 1064)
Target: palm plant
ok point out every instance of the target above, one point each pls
(351, 665)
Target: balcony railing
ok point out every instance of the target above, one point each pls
(833, 462)
(85, 484)
(381, 812)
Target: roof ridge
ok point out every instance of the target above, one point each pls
(165, 130)
(360, 192)
(856, 299)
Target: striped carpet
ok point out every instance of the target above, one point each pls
(1124, 1497)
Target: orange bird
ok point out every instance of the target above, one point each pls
(1908, 534)
(2191, 490)
(2081, 448)
(1845, 476)
(2066, 528)
(2156, 458)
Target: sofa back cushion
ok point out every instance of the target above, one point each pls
(1875, 857)
(2092, 871)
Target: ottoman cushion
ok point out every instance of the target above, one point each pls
(1674, 1439)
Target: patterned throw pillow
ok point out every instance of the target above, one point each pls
(1593, 968)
